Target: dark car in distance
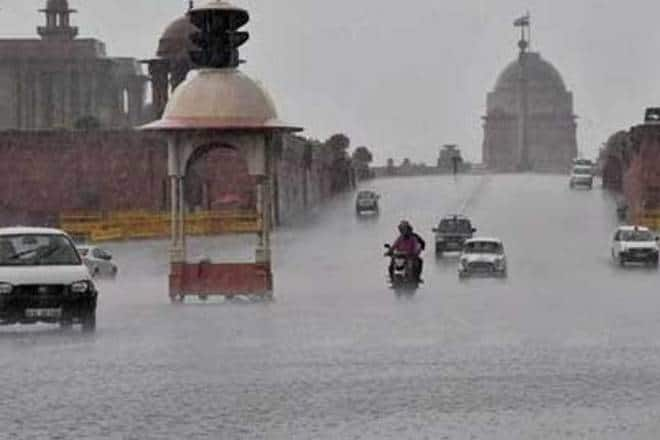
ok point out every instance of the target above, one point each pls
(451, 234)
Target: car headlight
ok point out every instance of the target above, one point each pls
(499, 263)
(6, 288)
(80, 287)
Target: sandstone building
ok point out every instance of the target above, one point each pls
(530, 124)
(59, 80)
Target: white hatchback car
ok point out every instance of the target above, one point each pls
(635, 244)
(483, 256)
(43, 279)
(98, 260)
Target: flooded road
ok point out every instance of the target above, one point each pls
(566, 347)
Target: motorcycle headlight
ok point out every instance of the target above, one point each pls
(80, 287)
(6, 288)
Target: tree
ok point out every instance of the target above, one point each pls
(363, 155)
(342, 169)
(339, 144)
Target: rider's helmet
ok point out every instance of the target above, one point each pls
(405, 228)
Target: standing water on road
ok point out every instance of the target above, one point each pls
(564, 347)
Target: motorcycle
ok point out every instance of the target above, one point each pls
(402, 270)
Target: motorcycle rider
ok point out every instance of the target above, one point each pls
(410, 244)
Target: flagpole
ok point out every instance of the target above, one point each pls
(529, 28)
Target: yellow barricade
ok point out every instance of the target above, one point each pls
(107, 234)
(145, 225)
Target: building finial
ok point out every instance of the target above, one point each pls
(525, 25)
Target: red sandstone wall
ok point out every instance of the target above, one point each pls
(642, 178)
(45, 173)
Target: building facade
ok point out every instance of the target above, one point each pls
(61, 81)
(530, 124)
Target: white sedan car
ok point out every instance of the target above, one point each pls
(43, 279)
(635, 244)
(483, 256)
(98, 261)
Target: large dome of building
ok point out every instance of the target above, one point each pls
(530, 124)
(57, 5)
(540, 73)
(175, 41)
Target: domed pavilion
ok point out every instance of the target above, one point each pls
(530, 124)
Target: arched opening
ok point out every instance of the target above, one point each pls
(217, 179)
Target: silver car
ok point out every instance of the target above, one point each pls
(98, 261)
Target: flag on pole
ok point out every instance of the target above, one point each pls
(523, 21)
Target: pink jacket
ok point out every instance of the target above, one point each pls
(409, 246)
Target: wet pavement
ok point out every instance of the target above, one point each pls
(566, 347)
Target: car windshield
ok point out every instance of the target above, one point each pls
(37, 250)
(483, 247)
(635, 236)
(461, 226)
(582, 171)
(366, 195)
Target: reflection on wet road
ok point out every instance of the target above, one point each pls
(567, 347)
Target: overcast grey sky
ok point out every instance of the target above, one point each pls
(406, 77)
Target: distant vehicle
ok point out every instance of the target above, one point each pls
(583, 162)
(367, 201)
(582, 176)
(635, 244)
(451, 234)
(43, 279)
(652, 115)
(98, 261)
(483, 256)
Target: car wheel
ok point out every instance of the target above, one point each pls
(89, 322)
(622, 261)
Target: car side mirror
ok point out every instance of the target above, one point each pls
(387, 246)
(435, 230)
(474, 230)
(657, 238)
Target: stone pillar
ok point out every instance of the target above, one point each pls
(177, 243)
(158, 70)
